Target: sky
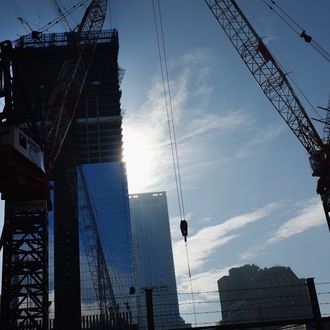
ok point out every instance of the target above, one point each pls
(248, 191)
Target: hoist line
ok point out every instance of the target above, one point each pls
(66, 13)
(171, 113)
(167, 109)
(191, 284)
(282, 18)
(320, 50)
(314, 44)
(168, 114)
(288, 70)
(303, 94)
(171, 129)
(287, 15)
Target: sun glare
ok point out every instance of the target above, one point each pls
(138, 156)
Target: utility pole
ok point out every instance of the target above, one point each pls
(315, 303)
(150, 311)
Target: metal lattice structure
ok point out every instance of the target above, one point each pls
(25, 269)
(63, 101)
(266, 71)
(276, 86)
(25, 266)
(94, 250)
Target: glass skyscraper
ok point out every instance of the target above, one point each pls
(107, 188)
(153, 256)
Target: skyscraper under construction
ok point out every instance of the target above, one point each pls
(90, 204)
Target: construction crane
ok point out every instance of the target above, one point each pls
(34, 34)
(62, 16)
(89, 233)
(28, 154)
(94, 251)
(274, 83)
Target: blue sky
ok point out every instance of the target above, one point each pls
(248, 190)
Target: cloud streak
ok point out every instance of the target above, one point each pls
(309, 215)
(200, 133)
(206, 241)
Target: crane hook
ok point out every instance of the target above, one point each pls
(184, 229)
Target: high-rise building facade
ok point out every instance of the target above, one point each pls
(95, 142)
(252, 294)
(153, 258)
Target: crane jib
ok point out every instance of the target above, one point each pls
(276, 86)
(266, 71)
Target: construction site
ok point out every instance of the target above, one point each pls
(69, 246)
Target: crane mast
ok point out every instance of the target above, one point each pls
(24, 299)
(274, 83)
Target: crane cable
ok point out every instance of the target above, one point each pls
(169, 109)
(55, 21)
(172, 133)
(299, 30)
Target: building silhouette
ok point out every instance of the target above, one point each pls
(95, 142)
(154, 266)
(252, 294)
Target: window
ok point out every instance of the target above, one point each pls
(22, 140)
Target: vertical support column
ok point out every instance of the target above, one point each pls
(24, 299)
(150, 309)
(314, 303)
(66, 248)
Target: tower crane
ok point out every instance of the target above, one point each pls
(34, 34)
(275, 85)
(29, 149)
(62, 16)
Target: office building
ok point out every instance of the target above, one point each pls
(252, 294)
(95, 142)
(153, 257)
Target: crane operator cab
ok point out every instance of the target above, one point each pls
(317, 162)
(22, 170)
(320, 168)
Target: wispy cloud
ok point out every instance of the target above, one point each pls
(309, 215)
(205, 298)
(204, 283)
(198, 130)
(206, 241)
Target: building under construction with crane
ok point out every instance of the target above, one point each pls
(60, 164)
(75, 76)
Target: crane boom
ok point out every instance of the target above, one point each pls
(64, 98)
(266, 71)
(62, 16)
(25, 24)
(275, 85)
